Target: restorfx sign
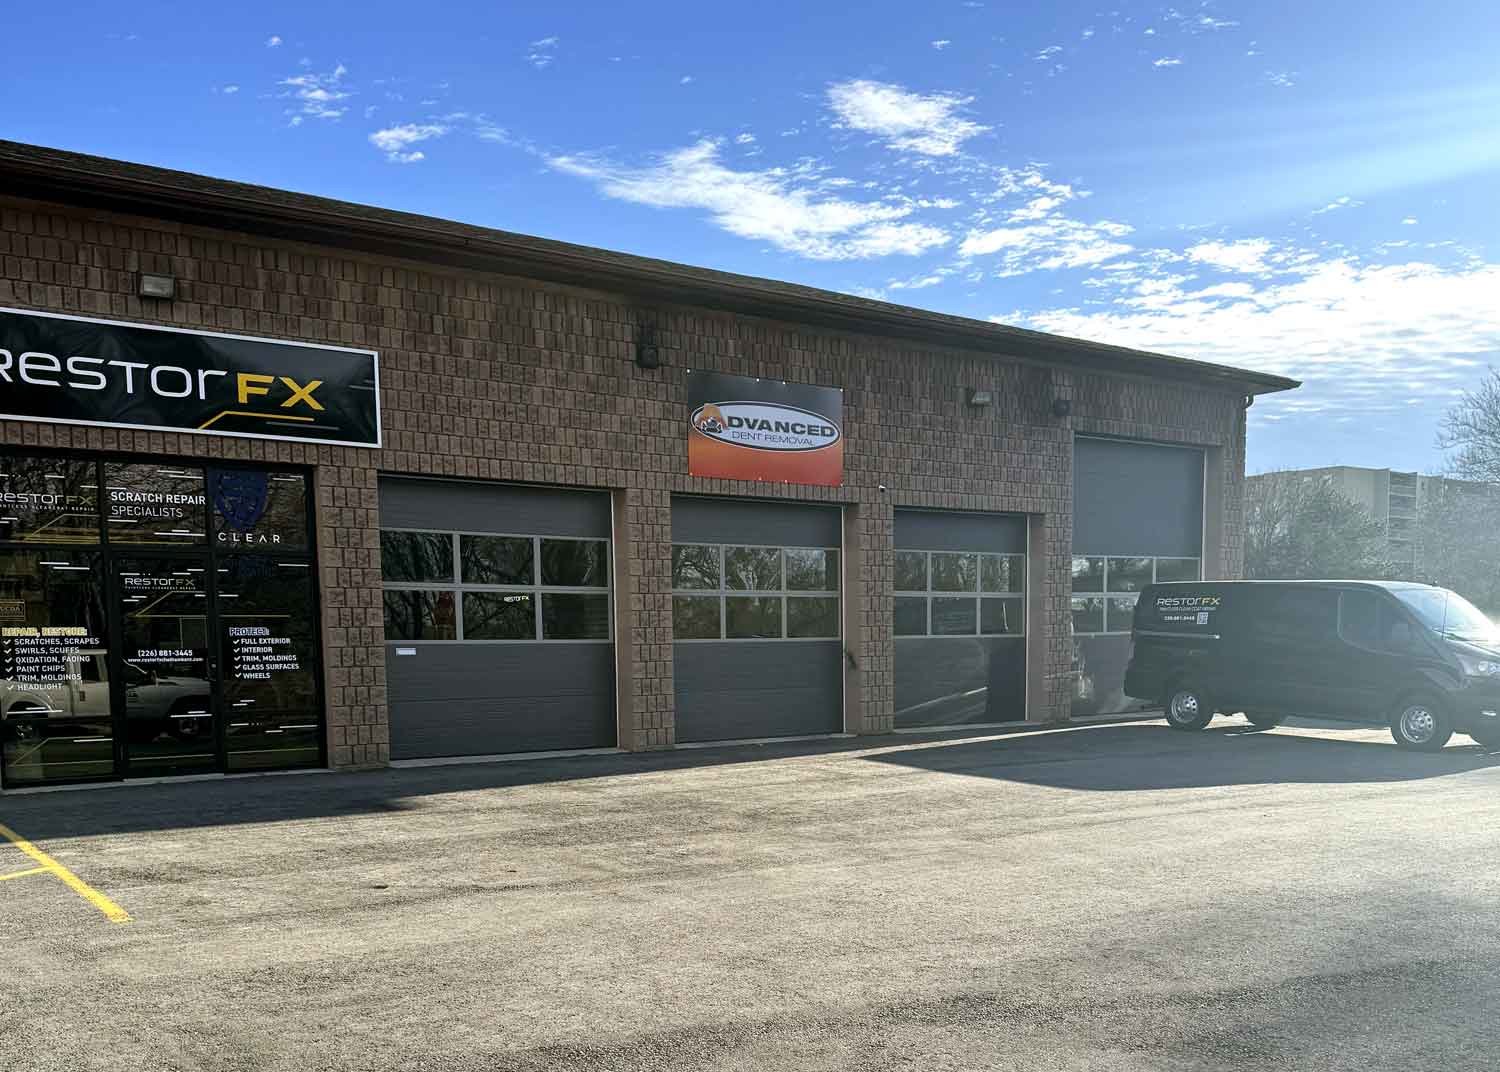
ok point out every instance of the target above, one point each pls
(741, 428)
(66, 369)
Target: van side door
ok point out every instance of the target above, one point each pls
(1293, 639)
(1364, 673)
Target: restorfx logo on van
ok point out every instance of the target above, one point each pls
(741, 428)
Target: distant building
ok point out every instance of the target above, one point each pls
(1392, 498)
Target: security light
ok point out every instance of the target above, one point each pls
(157, 286)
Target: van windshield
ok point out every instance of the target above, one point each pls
(1449, 614)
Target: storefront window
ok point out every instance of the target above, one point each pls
(46, 498)
(258, 510)
(796, 592)
(155, 503)
(268, 650)
(217, 650)
(969, 594)
(55, 716)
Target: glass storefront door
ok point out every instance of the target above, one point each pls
(155, 618)
(167, 663)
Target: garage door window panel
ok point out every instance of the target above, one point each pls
(499, 616)
(407, 557)
(740, 592)
(506, 560)
(992, 603)
(1118, 581)
(496, 587)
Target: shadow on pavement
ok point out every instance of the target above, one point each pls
(1110, 757)
(1147, 756)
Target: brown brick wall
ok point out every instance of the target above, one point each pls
(498, 378)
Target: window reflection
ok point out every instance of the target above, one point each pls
(55, 721)
(268, 652)
(47, 498)
(416, 556)
(258, 510)
(153, 503)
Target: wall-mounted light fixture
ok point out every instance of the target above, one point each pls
(981, 398)
(1062, 407)
(646, 354)
(162, 287)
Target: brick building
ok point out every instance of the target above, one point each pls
(525, 561)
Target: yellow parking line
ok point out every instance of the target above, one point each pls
(113, 912)
(23, 874)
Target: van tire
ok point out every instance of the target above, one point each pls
(1264, 720)
(1419, 722)
(1188, 707)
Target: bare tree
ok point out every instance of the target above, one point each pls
(1299, 527)
(1458, 543)
(1471, 430)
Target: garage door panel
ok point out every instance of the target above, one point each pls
(1136, 498)
(771, 689)
(950, 681)
(932, 530)
(478, 671)
(477, 507)
(546, 722)
(702, 520)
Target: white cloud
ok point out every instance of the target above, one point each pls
(1200, 23)
(273, 41)
(1088, 31)
(318, 95)
(1167, 61)
(230, 89)
(784, 207)
(1247, 255)
(1356, 334)
(542, 52)
(1409, 220)
(395, 142)
(1336, 204)
(940, 45)
(744, 139)
(1282, 79)
(685, 80)
(909, 122)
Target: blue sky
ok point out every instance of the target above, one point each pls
(1310, 189)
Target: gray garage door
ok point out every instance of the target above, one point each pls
(497, 618)
(755, 616)
(960, 618)
(1137, 517)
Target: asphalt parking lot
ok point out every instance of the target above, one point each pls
(1113, 897)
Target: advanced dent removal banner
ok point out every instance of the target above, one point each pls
(741, 428)
(68, 369)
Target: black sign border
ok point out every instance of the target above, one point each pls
(373, 355)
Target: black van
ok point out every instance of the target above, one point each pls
(1422, 660)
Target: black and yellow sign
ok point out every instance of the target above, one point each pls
(66, 369)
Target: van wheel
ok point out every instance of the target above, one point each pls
(1264, 720)
(1421, 724)
(1188, 707)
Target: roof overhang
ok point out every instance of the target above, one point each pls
(99, 182)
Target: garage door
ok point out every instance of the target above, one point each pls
(497, 618)
(755, 617)
(960, 618)
(1137, 517)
